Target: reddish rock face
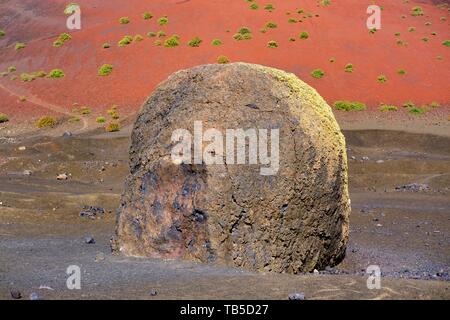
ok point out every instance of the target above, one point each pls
(289, 214)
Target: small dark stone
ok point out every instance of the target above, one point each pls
(297, 296)
(252, 106)
(67, 134)
(89, 240)
(92, 212)
(15, 294)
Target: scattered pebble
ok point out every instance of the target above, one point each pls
(153, 292)
(15, 294)
(34, 296)
(62, 176)
(67, 134)
(413, 187)
(297, 296)
(365, 158)
(92, 212)
(380, 161)
(27, 172)
(89, 240)
(99, 257)
(22, 148)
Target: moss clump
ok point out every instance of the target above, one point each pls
(417, 110)
(12, 69)
(269, 7)
(222, 60)
(160, 34)
(106, 45)
(271, 25)
(2, 33)
(163, 21)
(195, 42)
(100, 120)
(125, 41)
(147, 15)
(349, 68)
(446, 43)
(105, 70)
(349, 106)
(151, 34)
(112, 127)
(20, 45)
(56, 73)
(272, 44)
(401, 72)
(216, 42)
(172, 42)
(318, 73)
(3, 118)
(46, 122)
(291, 20)
(254, 6)
(386, 108)
(58, 43)
(124, 20)
(304, 35)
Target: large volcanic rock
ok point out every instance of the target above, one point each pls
(292, 219)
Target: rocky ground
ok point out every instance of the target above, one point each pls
(399, 186)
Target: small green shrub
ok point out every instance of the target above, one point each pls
(151, 34)
(112, 127)
(271, 25)
(45, 122)
(157, 43)
(56, 73)
(195, 42)
(58, 43)
(223, 60)
(417, 11)
(269, 7)
(12, 69)
(160, 34)
(125, 41)
(124, 20)
(349, 106)
(254, 6)
(401, 72)
(172, 42)
(2, 33)
(434, 104)
(349, 68)
(64, 37)
(382, 78)
(3, 118)
(147, 15)
(85, 111)
(411, 29)
(304, 35)
(216, 42)
(291, 20)
(417, 110)
(138, 38)
(408, 104)
(106, 45)
(20, 45)
(105, 70)
(244, 30)
(385, 108)
(446, 43)
(318, 73)
(100, 120)
(163, 21)
(272, 44)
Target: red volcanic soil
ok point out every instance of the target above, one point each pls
(338, 31)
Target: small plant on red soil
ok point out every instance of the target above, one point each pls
(446, 43)
(12, 69)
(408, 104)
(382, 78)
(417, 11)
(157, 43)
(254, 6)
(56, 73)
(100, 120)
(349, 68)
(417, 110)
(386, 108)
(271, 25)
(401, 72)
(3, 118)
(112, 127)
(434, 104)
(243, 34)
(269, 7)
(85, 111)
(163, 21)
(138, 38)
(292, 20)
(216, 42)
(272, 44)
(45, 122)
(195, 42)
(318, 73)
(222, 60)
(304, 35)
(349, 106)
(124, 20)
(147, 15)
(2, 33)
(172, 42)
(151, 34)
(20, 45)
(125, 41)
(105, 70)
(106, 45)
(160, 34)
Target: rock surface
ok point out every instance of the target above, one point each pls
(293, 221)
